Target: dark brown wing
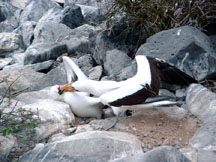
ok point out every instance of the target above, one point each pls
(136, 98)
(171, 74)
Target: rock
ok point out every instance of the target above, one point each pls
(7, 143)
(23, 81)
(204, 142)
(107, 146)
(49, 29)
(35, 96)
(19, 4)
(9, 16)
(54, 116)
(102, 5)
(185, 47)
(106, 41)
(115, 61)
(201, 102)
(56, 137)
(72, 16)
(38, 67)
(127, 72)
(181, 93)
(53, 77)
(10, 42)
(90, 14)
(80, 39)
(36, 9)
(5, 62)
(27, 31)
(163, 154)
(43, 51)
(95, 73)
(86, 63)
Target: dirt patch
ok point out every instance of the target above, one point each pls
(155, 128)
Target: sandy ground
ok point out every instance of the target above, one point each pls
(156, 128)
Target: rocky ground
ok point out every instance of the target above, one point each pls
(35, 34)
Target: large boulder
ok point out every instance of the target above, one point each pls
(9, 16)
(72, 16)
(5, 62)
(54, 116)
(7, 143)
(43, 51)
(88, 146)
(201, 102)
(26, 29)
(160, 154)
(185, 47)
(19, 4)
(117, 37)
(10, 42)
(18, 81)
(36, 9)
(116, 61)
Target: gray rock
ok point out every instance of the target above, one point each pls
(27, 31)
(201, 102)
(204, 138)
(72, 16)
(102, 5)
(33, 97)
(23, 80)
(36, 9)
(127, 72)
(95, 73)
(113, 39)
(19, 4)
(54, 116)
(49, 28)
(162, 154)
(80, 39)
(204, 142)
(116, 61)
(5, 62)
(89, 146)
(9, 16)
(90, 14)
(208, 156)
(7, 143)
(56, 76)
(85, 62)
(186, 47)
(10, 42)
(42, 52)
(38, 67)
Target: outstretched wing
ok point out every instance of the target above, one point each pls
(73, 71)
(127, 95)
(171, 74)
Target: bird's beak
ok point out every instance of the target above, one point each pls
(60, 91)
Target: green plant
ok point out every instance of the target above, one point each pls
(17, 120)
(153, 16)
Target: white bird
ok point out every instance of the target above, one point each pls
(133, 92)
(81, 103)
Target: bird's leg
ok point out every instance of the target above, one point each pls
(115, 121)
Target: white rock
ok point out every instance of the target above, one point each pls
(9, 42)
(54, 116)
(6, 144)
